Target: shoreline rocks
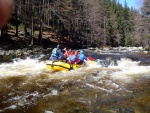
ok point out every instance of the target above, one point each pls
(121, 49)
(8, 55)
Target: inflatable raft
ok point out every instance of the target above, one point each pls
(61, 66)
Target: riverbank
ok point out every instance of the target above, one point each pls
(8, 55)
(12, 46)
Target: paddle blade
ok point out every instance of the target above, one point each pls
(90, 58)
(89, 63)
(92, 62)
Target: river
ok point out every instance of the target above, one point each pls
(119, 83)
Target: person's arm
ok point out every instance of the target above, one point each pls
(85, 58)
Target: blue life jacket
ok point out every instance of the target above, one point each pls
(54, 53)
(73, 58)
(82, 57)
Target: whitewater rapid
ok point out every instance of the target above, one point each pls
(125, 69)
(26, 84)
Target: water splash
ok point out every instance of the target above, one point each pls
(127, 70)
(22, 67)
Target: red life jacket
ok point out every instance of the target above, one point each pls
(67, 53)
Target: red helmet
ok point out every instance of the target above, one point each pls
(76, 53)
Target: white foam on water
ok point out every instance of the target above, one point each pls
(127, 63)
(54, 92)
(12, 107)
(114, 78)
(127, 70)
(19, 101)
(30, 66)
(49, 112)
(99, 88)
(21, 67)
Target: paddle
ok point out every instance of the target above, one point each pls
(90, 58)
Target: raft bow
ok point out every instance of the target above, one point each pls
(61, 66)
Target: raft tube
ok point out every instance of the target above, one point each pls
(61, 66)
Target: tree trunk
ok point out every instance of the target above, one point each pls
(25, 30)
(32, 35)
(32, 24)
(40, 32)
(41, 23)
(16, 12)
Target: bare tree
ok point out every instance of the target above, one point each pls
(146, 23)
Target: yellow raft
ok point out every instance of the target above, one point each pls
(61, 66)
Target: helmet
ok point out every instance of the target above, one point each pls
(58, 46)
(81, 51)
(76, 53)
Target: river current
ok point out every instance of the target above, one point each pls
(119, 83)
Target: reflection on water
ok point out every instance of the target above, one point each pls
(26, 86)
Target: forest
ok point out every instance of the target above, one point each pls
(78, 23)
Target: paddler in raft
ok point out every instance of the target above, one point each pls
(67, 53)
(78, 58)
(56, 54)
(82, 58)
(74, 58)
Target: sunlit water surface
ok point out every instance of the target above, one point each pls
(26, 86)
